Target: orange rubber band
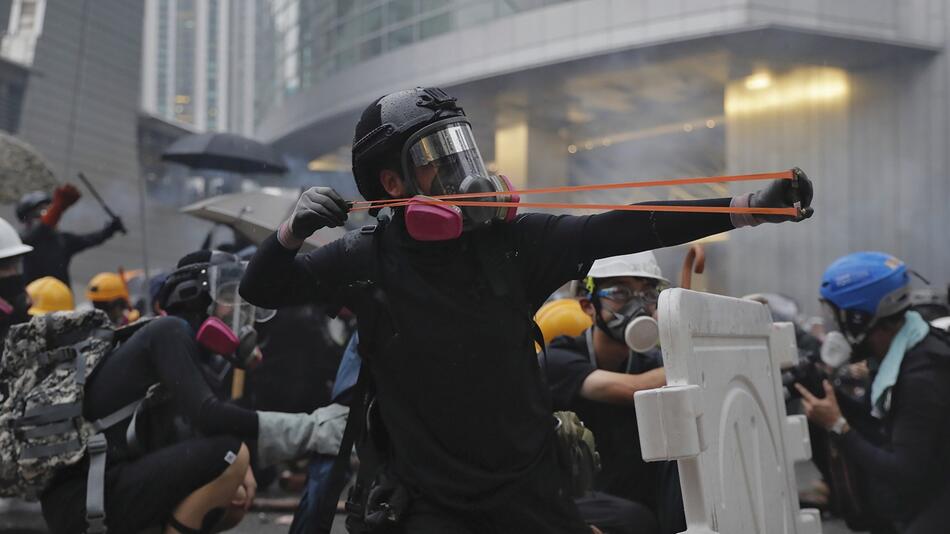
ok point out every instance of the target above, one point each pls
(783, 175)
(793, 212)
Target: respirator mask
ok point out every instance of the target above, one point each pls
(846, 330)
(442, 159)
(229, 328)
(632, 324)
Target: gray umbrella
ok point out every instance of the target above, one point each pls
(22, 169)
(225, 152)
(256, 215)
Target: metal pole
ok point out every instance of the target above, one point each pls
(144, 225)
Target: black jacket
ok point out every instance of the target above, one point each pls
(53, 250)
(458, 384)
(907, 457)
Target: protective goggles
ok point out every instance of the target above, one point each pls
(623, 294)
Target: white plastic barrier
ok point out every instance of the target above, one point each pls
(722, 416)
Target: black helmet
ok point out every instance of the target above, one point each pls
(29, 202)
(189, 284)
(387, 124)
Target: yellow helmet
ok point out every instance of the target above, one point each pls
(106, 287)
(563, 317)
(49, 295)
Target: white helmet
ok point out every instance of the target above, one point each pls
(641, 265)
(10, 244)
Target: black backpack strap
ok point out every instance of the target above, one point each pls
(326, 508)
(365, 251)
(96, 485)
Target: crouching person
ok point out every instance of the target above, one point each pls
(898, 437)
(154, 477)
(596, 375)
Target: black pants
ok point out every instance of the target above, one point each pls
(614, 515)
(540, 504)
(141, 493)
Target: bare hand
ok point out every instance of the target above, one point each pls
(823, 412)
(244, 496)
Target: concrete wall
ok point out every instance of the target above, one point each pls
(879, 161)
(80, 112)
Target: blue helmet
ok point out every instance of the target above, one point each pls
(862, 288)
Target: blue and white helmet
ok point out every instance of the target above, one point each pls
(862, 288)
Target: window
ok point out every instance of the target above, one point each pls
(475, 13)
(400, 10)
(372, 20)
(436, 25)
(347, 57)
(400, 37)
(371, 48)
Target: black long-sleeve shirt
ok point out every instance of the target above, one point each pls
(53, 250)
(912, 465)
(163, 351)
(460, 392)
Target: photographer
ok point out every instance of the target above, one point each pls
(898, 437)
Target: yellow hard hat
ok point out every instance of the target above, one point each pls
(106, 287)
(49, 295)
(563, 317)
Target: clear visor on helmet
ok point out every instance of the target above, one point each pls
(226, 302)
(447, 161)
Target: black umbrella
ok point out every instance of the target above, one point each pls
(225, 152)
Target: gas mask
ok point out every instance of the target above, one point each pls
(632, 324)
(229, 328)
(442, 159)
(847, 330)
(835, 351)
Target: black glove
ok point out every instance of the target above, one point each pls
(318, 207)
(115, 225)
(784, 193)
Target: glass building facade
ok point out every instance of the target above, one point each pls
(197, 61)
(302, 42)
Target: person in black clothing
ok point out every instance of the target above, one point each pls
(182, 484)
(52, 249)
(898, 437)
(596, 375)
(444, 308)
(14, 300)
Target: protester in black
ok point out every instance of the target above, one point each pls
(176, 481)
(53, 250)
(458, 386)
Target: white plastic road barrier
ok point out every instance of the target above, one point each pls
(722, 416)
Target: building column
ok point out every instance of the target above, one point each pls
(530, 154)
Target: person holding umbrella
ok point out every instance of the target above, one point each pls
(52, 249)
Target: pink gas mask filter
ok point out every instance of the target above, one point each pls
(217, 337)
(429, 219)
